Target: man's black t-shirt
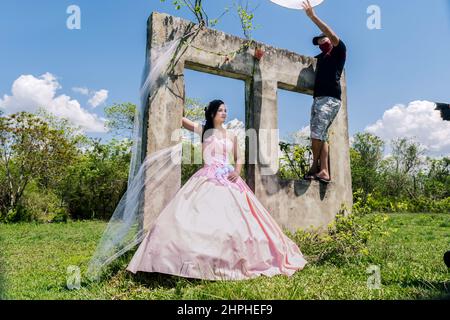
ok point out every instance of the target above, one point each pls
(329, 71)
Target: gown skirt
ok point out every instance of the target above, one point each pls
(215, 229)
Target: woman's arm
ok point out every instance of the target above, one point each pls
(192, 126)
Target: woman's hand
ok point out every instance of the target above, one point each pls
(233, 176)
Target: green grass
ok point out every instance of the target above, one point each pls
(34, 260)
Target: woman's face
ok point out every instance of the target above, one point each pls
(221, 114)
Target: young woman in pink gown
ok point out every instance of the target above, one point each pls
(215, 228)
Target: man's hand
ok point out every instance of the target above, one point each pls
(308, 8)
(319, 23)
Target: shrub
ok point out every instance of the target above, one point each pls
(346, 238)
(38, 205)
(95, 183)
(61, 215)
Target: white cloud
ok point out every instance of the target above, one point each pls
(98, 98)
(300, 137)
(30, 93)
(418, 120)
(84, 91)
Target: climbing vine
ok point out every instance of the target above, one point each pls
(195, 7)
(245, 14)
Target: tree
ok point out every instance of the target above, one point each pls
(52, 176)
(407, 154)
(120, 119)
(30, 148)
(295, 160)
(401, 170)
(194, 109)
(94, 184)
(436, 181)
(365, 157)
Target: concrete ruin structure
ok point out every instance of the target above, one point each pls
(293, 203)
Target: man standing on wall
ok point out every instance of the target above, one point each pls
(327, 94)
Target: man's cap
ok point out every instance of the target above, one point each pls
(316, 39)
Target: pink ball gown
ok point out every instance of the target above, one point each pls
(215, 229)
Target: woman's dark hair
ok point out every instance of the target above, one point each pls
(210, 114)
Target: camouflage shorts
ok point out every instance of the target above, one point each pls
(323, 112)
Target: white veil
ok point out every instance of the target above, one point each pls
(150, 75)
(125, 229)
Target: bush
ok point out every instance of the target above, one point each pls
(424, 204)
(38, 205)
(362, 202)
(377, 203)
(61, 215)
(16, 214)
(95, 183)
(346, 238)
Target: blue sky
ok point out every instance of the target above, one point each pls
(405, 61)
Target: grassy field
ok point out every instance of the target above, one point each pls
(34, 260)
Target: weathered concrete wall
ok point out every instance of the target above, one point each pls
(294, 204)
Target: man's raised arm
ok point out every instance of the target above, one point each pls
(319, 23)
